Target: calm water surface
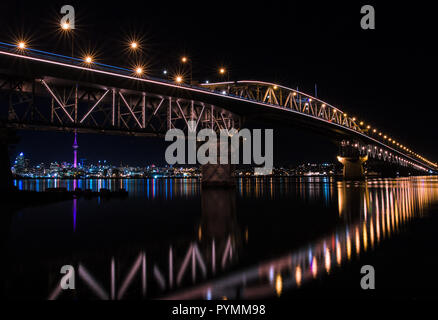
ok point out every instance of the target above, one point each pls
(267, 238)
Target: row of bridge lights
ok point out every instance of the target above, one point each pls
(138, 70)
(385, 137)
(394, 142)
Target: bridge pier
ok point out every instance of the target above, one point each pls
(353, 167)
(7, 137)
(219, 174)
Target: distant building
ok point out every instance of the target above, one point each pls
(21, 164)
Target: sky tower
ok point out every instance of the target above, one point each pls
(75, 151)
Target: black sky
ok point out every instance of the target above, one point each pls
(385, 76)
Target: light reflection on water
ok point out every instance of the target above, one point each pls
(368, 213)
(151, 188)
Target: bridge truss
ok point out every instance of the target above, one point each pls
(367, 141)
(56, 104)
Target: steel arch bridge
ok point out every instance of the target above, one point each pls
(45, 91)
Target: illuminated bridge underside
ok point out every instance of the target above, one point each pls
(43, 91)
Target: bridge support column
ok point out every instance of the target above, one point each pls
(353, 167)
(7, 137)
(219, 174)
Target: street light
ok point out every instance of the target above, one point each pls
(139, 70)
(223, 71)
(134, 45)
(88, 59)
(21, 45)
(179, 79)
(66, 27)
(186, 60)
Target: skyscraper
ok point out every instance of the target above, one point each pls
(21, 165)
(75, 151)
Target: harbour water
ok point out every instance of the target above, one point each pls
(267, 238)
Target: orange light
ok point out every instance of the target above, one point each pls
(134, 45)
(139, 70)
(65, 26)
(179, 79)
(21, 45)
(222, 70)
(88, 59)
(184, 59)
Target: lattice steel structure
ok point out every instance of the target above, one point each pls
(52, 103)
(365, 141)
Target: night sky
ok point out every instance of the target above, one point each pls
(385, 77)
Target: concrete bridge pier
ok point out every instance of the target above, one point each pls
(219, 174)
(7, 137)
(353, 167)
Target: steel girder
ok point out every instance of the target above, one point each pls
(287, 98)
(305, 104)
(56, 104)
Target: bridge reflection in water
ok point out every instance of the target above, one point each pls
(211, 263)
(385, 206)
